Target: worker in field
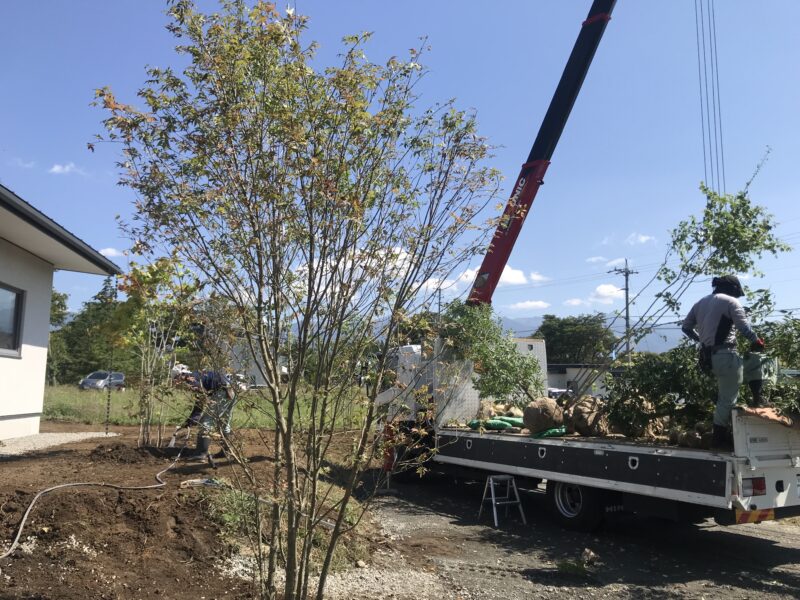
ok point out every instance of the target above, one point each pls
(215, 397)
(713, 322)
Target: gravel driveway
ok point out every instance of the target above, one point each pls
(41, 441)
(452, 556)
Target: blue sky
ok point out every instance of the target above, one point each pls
(626, 169)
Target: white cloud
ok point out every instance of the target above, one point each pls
(530, 305)
(606, 293)
(639, 238)
(111, 252)
(66, 169)
(468, 276)
(575, 302)
(607, 240)
(22, 164)
(536, 277)
(615, 262)
(511, 276)
(448, 287)
(596, 259)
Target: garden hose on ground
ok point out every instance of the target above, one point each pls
(161, 483)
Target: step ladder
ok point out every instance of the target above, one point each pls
(497, 500)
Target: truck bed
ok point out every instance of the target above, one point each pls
(689, 475)
(762, 474)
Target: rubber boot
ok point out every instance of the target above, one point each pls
(201, 450)
(225, 448)
(721, 439)
(756, 388)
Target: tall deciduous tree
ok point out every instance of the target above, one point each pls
(783, 340)
(92, 339)
(56, 348)
(321, 204)
(580, 339)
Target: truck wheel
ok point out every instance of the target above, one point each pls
(576, 506)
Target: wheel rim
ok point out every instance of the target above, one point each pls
(569, 499)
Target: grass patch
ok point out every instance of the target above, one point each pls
(234, 510)
(69, 403)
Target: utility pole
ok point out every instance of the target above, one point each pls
(627, 273)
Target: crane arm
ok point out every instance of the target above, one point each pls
(531, 176)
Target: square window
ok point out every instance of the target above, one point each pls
(10, 320)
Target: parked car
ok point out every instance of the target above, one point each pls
(101, 380)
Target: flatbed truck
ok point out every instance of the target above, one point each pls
(588, 477)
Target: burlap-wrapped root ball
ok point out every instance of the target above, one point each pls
(487, 409)
(587, 417)
(542, 414)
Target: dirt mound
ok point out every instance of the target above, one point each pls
(104, 543)
(100, 543)
(119, 452)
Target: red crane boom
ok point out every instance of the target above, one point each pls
(531, 176)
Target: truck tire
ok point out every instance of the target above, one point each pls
(575, 506)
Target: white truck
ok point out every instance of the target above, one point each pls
(587, 478)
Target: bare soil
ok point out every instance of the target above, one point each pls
(101, 543)
(104, 543)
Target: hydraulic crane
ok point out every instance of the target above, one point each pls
(531, 176)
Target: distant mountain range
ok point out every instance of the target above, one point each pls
(664, 339)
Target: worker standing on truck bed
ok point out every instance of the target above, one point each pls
(711, 322)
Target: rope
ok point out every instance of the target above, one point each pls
(705, 94)
(712, 66)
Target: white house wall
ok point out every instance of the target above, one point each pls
(22, 379)
(534, 347)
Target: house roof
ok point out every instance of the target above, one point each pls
(33, 231)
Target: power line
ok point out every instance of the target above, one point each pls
(700, 87)
(709, 89)
(719, 97)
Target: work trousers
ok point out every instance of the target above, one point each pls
(217, 413)
(727, 368)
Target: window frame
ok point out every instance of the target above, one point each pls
(19, 319)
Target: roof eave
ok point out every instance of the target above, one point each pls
(17, 206)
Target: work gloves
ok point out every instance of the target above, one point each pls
(757, 346)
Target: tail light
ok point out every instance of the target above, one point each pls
(756, 486)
